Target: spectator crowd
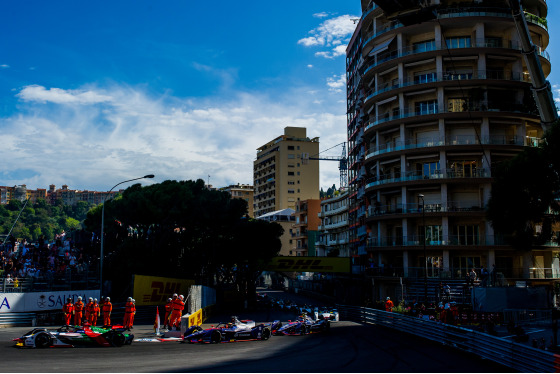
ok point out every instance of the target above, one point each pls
(43, 260)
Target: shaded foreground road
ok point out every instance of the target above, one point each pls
(349, 347)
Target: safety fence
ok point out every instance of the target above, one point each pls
(514, 355)
(18, 319)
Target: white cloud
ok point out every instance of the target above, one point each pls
(336, 83)
(4, 66)
(333, 34)
(321, 15)
(90, 146)
(60, 96)
(310, 66)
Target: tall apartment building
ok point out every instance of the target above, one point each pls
(306, 226)
(280, 178)
(242, 191)
(432, 109)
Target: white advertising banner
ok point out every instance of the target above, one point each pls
(41, 301)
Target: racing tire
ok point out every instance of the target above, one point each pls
(116, 339)
(43, 340)
(304, 330)
(265, 335)
(215, 337)
(327, 327)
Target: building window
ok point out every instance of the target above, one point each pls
(290, 148)
(429, 168)
(291, 182)
(426, 107)
(424, 78)
(291, 191)
(461, 169)
(466, 235)
(291, 173)
(425, 46)
(434, 235)
(458, 105)
(291, 156)
(458, 42)
(493, 42)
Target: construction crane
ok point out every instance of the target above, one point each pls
(342, 162)
(418, 11)
(541, 87)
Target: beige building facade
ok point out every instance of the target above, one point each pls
(280, 177)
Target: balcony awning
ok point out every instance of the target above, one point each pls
(381, 47)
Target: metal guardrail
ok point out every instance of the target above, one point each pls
(17, 319)
(514, 355)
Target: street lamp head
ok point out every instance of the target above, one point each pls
(420, 195)
(149, 176)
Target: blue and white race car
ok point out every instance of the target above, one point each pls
(304, 325)
(236, 330)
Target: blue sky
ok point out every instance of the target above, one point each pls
(93, 93)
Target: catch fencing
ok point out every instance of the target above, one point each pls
(514, 355)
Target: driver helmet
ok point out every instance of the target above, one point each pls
(94, 300)
(175, 295)
(90, 299)
(129, 299)
(108, 298)
(388, 298)
(69, 300)
(181, 297)
(79, 298)
(170, 299)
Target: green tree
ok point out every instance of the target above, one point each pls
(174, 229)
(525, 192)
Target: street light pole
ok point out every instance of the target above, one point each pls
(425, 255)
(103, 226)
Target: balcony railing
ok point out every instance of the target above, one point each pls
(412, 50)
(452, 140)
(409, 176)
(499, 279)
(450, 76)
(451, 206)
(471, 107)
(450, 240)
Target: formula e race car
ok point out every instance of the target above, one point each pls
(70, 336)
(304, 325)
(326, 313)
(236, 330)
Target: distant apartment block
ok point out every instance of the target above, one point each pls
(304, 229)
(280, 178)
(68, 196)
(242, 191)
(332, 238)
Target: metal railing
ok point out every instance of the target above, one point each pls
(18, 319)
(502, 351)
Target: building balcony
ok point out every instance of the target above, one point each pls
(414, 208)
(449, 241)
(332, 226)
(447, 78)
(332, 212)
(451, 13)
(492, 46)
(459, 140)
(409, 176)
(490, 109)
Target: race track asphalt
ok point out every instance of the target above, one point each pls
(347, 348)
